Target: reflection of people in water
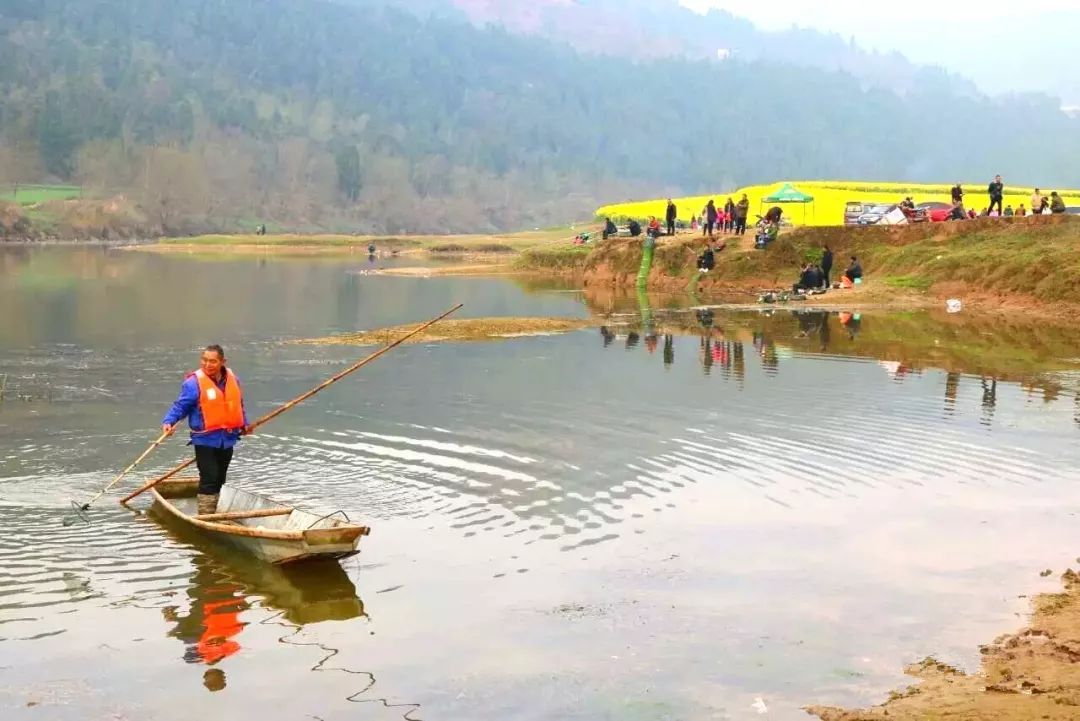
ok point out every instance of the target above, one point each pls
(811, 322)
(210, 627)
(706, 354)
(738, 360)
(770, 359)
(852, 323)
(632, 339)
(669, 351)
(823, 332)
(989, 399)
(952, 387)
(766, 348)
(608, 336)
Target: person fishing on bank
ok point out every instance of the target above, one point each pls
(212, 401)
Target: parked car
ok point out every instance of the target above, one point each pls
(937, 212)
(854, 209)
(874, 214)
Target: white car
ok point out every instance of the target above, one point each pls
(876, 214)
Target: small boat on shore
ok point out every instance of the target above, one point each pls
(272, 531)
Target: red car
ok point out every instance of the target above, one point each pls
(937, 212)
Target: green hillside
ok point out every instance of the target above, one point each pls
(317, 115)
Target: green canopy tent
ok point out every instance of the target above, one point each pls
(788, 193)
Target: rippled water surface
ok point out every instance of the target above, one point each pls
(666, 517)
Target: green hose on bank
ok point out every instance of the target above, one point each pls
(646, 262)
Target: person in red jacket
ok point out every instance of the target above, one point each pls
(213, 402)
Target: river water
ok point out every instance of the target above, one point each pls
(683, 514)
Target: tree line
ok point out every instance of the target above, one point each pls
(316, 114)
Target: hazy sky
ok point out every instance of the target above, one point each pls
(1004, 47)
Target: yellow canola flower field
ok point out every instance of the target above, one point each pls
(830, 198)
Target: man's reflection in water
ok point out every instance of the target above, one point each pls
(669, 351)
(213, 620)
(706, 354)
(214, 679)
(218, 590)
(632, 339)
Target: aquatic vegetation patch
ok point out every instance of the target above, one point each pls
(458, 330)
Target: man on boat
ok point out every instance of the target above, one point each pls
(211, 400)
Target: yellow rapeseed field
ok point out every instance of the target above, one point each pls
(830, 197)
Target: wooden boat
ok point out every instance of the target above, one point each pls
(306, 593)
(271, 531)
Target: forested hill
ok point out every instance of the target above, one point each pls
(664, 28)
(318, 113)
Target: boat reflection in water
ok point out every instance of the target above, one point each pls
(227, 582)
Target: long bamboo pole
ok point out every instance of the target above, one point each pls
(137, 461)
(301, 398)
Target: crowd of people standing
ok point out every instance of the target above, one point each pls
(729, 219)
(1041, 204)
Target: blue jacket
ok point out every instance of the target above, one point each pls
(187, 406)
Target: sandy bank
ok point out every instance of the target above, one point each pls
(1030, 675)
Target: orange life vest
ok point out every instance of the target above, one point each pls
(220, 411)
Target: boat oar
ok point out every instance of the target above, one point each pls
(79, 511)
(301, 398)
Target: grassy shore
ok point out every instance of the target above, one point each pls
(1022, 262)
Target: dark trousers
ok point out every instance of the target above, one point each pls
(825, 277)
(213, 464)
(740, 226)
(993, 202)
(671, 227)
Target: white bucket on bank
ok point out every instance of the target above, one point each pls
(953, 305)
